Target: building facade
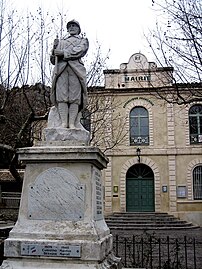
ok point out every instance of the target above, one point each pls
(154, 145)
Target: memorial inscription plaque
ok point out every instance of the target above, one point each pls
(98, 210)
(56, 194)
(37, 249)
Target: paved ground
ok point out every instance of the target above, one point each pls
(125, 249)
(193, 233)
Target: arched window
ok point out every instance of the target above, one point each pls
(139, 126)
(197, 183)
(195, 124)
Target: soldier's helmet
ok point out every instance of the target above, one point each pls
(76, 22)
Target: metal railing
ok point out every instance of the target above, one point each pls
(11, 199)
(151, 252)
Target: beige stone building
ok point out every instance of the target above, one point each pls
(154, 146)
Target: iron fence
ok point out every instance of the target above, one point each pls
(150, 252)
(11, 199)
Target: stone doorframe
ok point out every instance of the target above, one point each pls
(157, 187)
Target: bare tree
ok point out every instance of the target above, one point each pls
(95, 66)
(107, 128)
(25, 44)
(24, 106)
(177, 42)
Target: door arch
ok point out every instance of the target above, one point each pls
(140, 189)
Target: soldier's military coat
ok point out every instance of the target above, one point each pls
(69, 76)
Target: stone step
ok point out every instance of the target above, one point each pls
(148, 220)
(2, 222)
(141, 213)
(151, 224)
(142, 218)
(145, 222)
(153, 228)
(6, 225)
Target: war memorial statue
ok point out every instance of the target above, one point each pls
(61, 221)
(69, 92)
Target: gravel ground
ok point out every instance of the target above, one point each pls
(8, 214)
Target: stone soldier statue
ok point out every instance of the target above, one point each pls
(69, 92)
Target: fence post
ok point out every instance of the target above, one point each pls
(159, 240)
(168, 250)
(117, 245)
(177, 248)
(134, 250)
(185, 249)
(1, 251)
(150, 244)
(142, 246)
(194, 253)
(125, 254)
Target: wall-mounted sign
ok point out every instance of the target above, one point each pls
(181, 191)
(54, 250)
(164, 188)
(98, 195)
(116, 189)
(137, 78)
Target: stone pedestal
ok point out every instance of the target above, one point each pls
(60, 223)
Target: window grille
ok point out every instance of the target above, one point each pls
(197, 183)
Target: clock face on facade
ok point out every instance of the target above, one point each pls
(138, 61)
(139, 58)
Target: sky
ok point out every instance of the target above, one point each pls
(118, 25)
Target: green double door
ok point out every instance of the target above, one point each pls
(140, 189)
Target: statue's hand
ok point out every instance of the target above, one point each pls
(58, 52)
(55, 43)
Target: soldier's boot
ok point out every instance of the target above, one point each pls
(73, 112)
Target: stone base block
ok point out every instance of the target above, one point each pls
(92, 250)
(61, 223)
(77, 136)
(110, 262)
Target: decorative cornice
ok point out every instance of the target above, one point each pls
(137, 98)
